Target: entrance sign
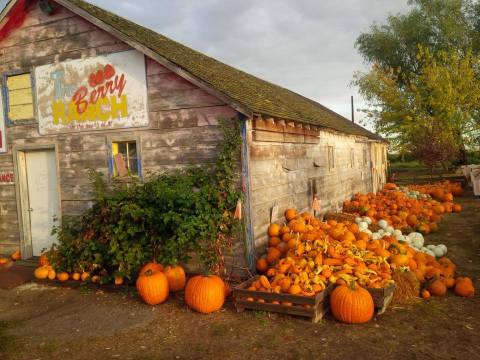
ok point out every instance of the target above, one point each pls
(104, 92)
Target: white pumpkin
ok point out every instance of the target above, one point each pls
(362, 225)
(383, 224)
(386, 233)
(390, 229)
(438, 251)
(358, 219)
(431, 247)
(381, 231)
(367, 220)
(444, 249)
(376, 236)
(368, 231)
(397, 232)
(416, 239)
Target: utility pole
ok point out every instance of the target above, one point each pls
(353, 111)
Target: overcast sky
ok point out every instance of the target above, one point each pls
(304, 45)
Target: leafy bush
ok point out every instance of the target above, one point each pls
(166, 218)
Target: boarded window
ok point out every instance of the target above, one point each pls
(352, 158)
(19, 98)
(331, 158)
(365, 157)
(125, 158)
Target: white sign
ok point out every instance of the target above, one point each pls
(104, 92)
(3, 135)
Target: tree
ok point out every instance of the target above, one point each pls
(424, 72)
(440, 100)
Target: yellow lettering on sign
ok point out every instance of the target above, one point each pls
(104, 110)
(116, 107)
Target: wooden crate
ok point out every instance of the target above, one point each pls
(382, 297)
(313, 307)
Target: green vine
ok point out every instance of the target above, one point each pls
(168, 217)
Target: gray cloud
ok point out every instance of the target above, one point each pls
(304, 45)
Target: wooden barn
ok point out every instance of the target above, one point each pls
(84, 88)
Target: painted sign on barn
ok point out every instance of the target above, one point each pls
(7, 178)
(104, 92)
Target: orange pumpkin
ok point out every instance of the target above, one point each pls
(437, 288)
(351, 304)
(16, 255)
(274, 230)
(152, 286)
(63, 276)
(204, 294)
(261, 265)
(464, 287)
(176, 278)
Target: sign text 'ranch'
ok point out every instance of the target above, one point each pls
(95, 93)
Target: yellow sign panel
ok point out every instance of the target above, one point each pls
(20, 98)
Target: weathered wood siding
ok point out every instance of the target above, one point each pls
(183, 118)
(283, 174)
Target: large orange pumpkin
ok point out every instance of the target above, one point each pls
(176, 278)
(204, 294)
(261, 265)
(152, 286)
(351, 304)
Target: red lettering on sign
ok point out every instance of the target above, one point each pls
(102, 87)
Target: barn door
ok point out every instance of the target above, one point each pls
(39, 199)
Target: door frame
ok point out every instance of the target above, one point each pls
(21, 192)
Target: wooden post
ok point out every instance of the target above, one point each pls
(249, 240)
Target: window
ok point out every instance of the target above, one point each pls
(125, 158)
(19, 98)
(365, 157)
(352, 158)
(331, 158)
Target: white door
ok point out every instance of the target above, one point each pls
(41, 171)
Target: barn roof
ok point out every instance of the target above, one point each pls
(250, 92)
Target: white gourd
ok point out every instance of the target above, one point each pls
(383, 224)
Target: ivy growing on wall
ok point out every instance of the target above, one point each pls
(168, 217)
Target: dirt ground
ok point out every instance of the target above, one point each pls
(44, 322)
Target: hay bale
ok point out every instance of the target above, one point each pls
(407, 287)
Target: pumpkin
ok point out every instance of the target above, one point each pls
(152, 286)
(261, 265)
(351, 304)
(437, 288)
(43, 260)
(41, 272)
(52, 274)
(153, 266)
(76, 276)
(16, 255)
(426, 294)
(204, 294)
(63, 276)
(290, 214)
(118, 280)
(176, 278)
(3, 260)
(464, 287)
(457, 208)
(95, 279)
(399, 260)
(274, 230)
(85, 276)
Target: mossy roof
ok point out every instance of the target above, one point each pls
(257, 95)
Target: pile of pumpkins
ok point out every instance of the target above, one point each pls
(403, 210)
(15, 256)
(204, 294)
(305, 254)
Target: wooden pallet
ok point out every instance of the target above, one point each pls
(382, 297)
(313, 307)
